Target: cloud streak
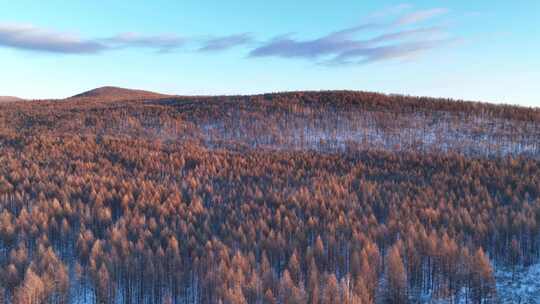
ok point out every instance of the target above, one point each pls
(345, 47)
(32, 38)
(28, 37)
(420, 16)
(387, 52)
(162, 43)
(226, 42)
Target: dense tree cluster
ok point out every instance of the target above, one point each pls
(136, 202)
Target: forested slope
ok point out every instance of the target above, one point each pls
(307, 197)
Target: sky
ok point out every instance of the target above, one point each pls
(473, 50)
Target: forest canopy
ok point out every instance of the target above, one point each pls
(303, 197)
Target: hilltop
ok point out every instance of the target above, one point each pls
(10, 99)
(117, 93)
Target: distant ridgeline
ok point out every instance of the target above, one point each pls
(330, 121)
(122, 196)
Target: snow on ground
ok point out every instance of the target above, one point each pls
(337, 130)
(523, 289)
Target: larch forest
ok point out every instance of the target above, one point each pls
(117, 196)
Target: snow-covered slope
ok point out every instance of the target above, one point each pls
(524, 288)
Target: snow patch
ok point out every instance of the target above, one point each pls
(523, 288)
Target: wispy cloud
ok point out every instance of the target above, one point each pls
(420, 16)
(394, 40)
(342, 48)
(424, 33)
(28, 37)
(162, 43)
(387, 52)
(288, 47)
(32, 38)
(226, 42)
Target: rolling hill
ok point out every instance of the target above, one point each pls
(10, 99)
(110, 93)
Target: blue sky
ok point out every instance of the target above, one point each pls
(474, 50)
